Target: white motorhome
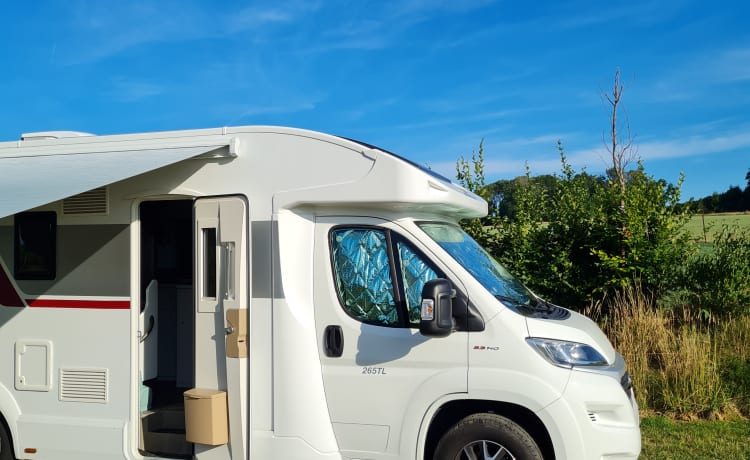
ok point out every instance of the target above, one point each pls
(275, 293)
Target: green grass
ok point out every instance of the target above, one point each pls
(703, 227)
(666, 439)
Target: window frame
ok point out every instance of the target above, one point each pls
(392, 239)
(41, 218)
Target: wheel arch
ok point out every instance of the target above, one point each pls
(4, 426)
(9, 414)
(453, 411)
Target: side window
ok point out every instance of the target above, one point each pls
(363, 275)
(371, 285)
(35, 246)
(415, 272)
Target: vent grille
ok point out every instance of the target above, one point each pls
(92, 202)
(593, 417)
(84, 385)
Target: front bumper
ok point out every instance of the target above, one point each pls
(597, 416)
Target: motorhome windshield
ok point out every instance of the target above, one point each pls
(493, 276)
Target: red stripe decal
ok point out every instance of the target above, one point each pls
(8, 295)
(64, 303)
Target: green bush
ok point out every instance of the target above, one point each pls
(717, 281)
(676, 308)
(578, 237)
(736, 375)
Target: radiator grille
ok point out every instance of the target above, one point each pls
(92, 202)
(84, 385)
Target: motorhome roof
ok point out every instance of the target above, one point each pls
(50, 166)
(416, 165)
(58, 138)
(53, 135)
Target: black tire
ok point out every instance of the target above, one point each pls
(487, 436)
(6, 448)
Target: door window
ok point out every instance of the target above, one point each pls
(208, 287)
(379, 281)
(415, 272)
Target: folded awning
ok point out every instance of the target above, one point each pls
(28, 180)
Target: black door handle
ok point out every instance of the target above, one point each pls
(333, 341)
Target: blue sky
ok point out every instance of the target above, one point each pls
(428, 79)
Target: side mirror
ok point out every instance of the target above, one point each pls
(437, 308)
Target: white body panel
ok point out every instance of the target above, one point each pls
(77, 383)
(381, 368)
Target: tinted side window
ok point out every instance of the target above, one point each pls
(379, 281)
(35, 246)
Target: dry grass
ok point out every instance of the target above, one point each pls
(679, 364)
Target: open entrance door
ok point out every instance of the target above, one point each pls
(193, 328)
(221, 330)
(166, 325)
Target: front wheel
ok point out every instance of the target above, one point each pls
(6, 449)
(487, 437)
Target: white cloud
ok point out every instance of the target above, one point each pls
(241, 113)
(733, 65)
(700, 77)
(431, 6)
(127, 90)
(256, 110)
(266, 14)
(506, 158)
(696, 145)
(102, 29)
(99, 30)
(253, 17)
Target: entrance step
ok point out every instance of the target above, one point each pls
(164, 433)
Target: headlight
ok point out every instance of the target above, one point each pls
(567, 354)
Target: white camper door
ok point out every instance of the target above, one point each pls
(221, 317)
(380, 374)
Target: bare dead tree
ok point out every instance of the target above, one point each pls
(621, 150)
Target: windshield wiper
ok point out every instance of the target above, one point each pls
(513, 302)
(540, 308)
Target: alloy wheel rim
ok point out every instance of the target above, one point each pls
(484, 450)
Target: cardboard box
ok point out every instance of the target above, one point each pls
(206, 420)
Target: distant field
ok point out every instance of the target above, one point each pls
(703, 227)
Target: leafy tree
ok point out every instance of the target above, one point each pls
(654, 242)
(567, 242)
(502, 201)
(733, 200)
(470, 174)
(574, 237)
